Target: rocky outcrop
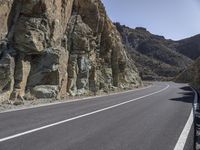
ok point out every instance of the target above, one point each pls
(7, 62)
(51, 49)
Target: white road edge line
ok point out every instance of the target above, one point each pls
(184, 135)
(186, 130)
(77, 117)
(75, 100)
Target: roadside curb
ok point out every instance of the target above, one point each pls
(197, 122)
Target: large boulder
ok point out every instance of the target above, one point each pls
(50, 69)
(45, 91)
(30, 35)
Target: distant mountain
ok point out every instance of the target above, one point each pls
(189, 47)
(158, 58)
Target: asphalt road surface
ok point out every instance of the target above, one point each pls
(153, 118)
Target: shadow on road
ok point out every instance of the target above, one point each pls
(187, 95)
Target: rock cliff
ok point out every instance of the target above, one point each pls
(51, 49)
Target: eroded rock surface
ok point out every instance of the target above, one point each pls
(51, 49)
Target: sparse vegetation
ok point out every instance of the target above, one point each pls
(158, 58)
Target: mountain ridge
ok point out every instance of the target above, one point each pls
(157, 58)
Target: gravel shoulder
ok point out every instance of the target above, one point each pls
(5, 106)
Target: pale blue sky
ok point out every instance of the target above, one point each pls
(174, 19)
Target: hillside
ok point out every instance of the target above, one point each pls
(51, 49)
(189, 47)
(191, 75)
(156, 57)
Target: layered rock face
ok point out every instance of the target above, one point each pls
(50, 49)
(7, 62)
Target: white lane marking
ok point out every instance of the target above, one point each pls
(186, 130)
(184, 135)
(77, 117)
(70, 101)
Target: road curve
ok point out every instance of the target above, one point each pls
(146, 119)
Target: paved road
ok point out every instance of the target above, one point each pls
(146, 119)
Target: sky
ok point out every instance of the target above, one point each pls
(174, 19)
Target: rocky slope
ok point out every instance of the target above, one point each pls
(189, 47)
(50, 49)
(156, 57)
(191, 75)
